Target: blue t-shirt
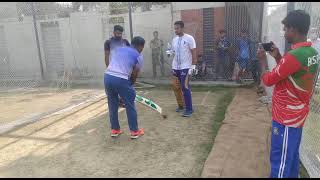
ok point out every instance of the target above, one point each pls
(223, 43)
(113, 43)
(122, 62)
(244, 47)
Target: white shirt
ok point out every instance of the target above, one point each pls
(182, 49)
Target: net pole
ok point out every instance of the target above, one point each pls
(130, 20)
(37, 39)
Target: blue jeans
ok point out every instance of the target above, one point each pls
(115, 86)
(183, 77)
(284, 152)
(243, 62)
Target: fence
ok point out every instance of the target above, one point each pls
(310, 145)
(60, 45)
(309, 150)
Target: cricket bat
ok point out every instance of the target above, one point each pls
(150, 104)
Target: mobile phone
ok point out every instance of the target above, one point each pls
(267, 46)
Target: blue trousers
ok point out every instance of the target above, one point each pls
(115, 86)
(183, 77)
(284, 152)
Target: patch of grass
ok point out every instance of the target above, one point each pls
(197, 88)
(221, 109)
(218, 116)
(303, 171)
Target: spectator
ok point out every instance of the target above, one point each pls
(156, 46)
(243, 44)
(293, 78)
(111, 44)
(223, 45)
(121, 74)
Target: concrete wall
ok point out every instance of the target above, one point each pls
(8, 10)
(177, 6)
(22, 49)
(144, 24)
(82, 38)
(87, 41)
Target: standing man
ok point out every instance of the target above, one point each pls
(255, 67)
(121, 74)
(184, 49)
(223, 46)
(156, 46)
(244, 54)
(293, 78)
(111, 44)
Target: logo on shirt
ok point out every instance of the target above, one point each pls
(313, 60)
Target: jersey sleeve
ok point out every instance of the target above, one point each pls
(287, 66)
(192, 43)
(139, 64)
(127, 42)
(107, 45)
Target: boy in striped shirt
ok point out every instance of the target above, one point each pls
(293, 78)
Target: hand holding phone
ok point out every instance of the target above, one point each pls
(267, 46)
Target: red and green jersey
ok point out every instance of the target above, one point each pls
(293, 77)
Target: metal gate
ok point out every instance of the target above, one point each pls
(52, 48)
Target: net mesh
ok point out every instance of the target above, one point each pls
(59, 46)
(310, 145)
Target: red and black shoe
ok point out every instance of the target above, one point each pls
(137, 134)
(116, 133)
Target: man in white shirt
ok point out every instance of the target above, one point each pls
(184, 49)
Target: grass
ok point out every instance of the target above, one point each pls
(303, 171)
(217, 118)
(197, 88)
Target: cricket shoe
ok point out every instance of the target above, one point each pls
(187, 113)
(137, 134)
(116, 133)
(179, 109)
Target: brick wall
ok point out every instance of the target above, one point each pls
(194, 17)
(193, 21)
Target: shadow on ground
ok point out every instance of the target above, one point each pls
(81, 147)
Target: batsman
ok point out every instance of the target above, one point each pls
(121, 74)
(184, 49)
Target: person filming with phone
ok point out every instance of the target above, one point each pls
(293, 78)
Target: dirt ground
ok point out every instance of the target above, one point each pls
(27, 103)
(77, 143)
(241, 148)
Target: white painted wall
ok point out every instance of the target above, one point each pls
(196, 5)
(87, 41)
(82, 38)
(144, 25)
(8, 10)
(22, 49)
